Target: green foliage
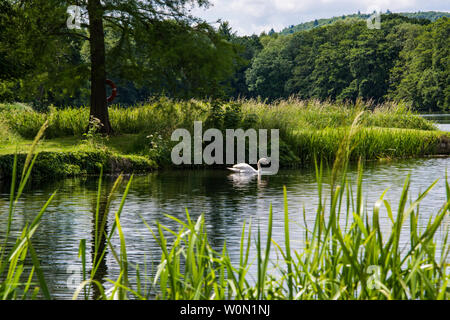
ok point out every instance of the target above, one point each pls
(151, 54)
(93, 138)
(342, 248)
(422, 76)
(340, 252)
(246, 47)
(16, 281)
(428, 15)
(46, 62)
(370, 143)
(184, 63)
(343, 61)
(6, 136)
(153, 146)
(339, 59)
(270, 70)
(293, 114)
(407, 59)
(224, 115)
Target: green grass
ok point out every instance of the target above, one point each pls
(7, 137)
(293, 114)
(71, 156)
(308, 129)
(117, 144)
(369, 143)
(337, 262)
(12, 260)
(165, 115)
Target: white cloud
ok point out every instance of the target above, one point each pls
(255, 16)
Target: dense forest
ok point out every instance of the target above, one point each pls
(407, 59)
(428, 15)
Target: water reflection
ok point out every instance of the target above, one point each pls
(99, 230)
(226, 200)
(442, 120)
(240, 180)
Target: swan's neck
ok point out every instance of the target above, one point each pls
(258, 165)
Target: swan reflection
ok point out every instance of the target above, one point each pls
(240, 180)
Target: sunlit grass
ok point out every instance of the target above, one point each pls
(294, 114)
(166, 115)
(369, 143)
(119, 144)
(308, 129)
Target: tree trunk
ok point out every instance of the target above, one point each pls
(99, 107)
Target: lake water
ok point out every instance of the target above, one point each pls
(442, 120)
(225, 199)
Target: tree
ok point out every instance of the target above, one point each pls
(246, 48)
(423, 77)
(44, 63)
(347, 61)
(127, 18)
(99, 109)
(270, 70)
(226, 31)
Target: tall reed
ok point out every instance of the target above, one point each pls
(346, 255)
(166, 115)
(17, 282)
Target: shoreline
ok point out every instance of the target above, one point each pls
(53, 165)
(61, 165)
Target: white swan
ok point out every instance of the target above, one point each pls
(248, 169)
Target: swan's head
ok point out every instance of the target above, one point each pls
(264, 161)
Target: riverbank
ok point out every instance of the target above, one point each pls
(142, 141)
(59, 158)
(70, 164)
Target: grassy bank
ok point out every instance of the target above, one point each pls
(165, 115)
(368, 143)
(69, 164)
(346, 255)
(308, 129)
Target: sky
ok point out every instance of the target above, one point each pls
(254, 16)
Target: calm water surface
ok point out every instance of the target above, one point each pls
(442, 120)
(226, 200)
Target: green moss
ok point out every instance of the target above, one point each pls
(69, 164)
